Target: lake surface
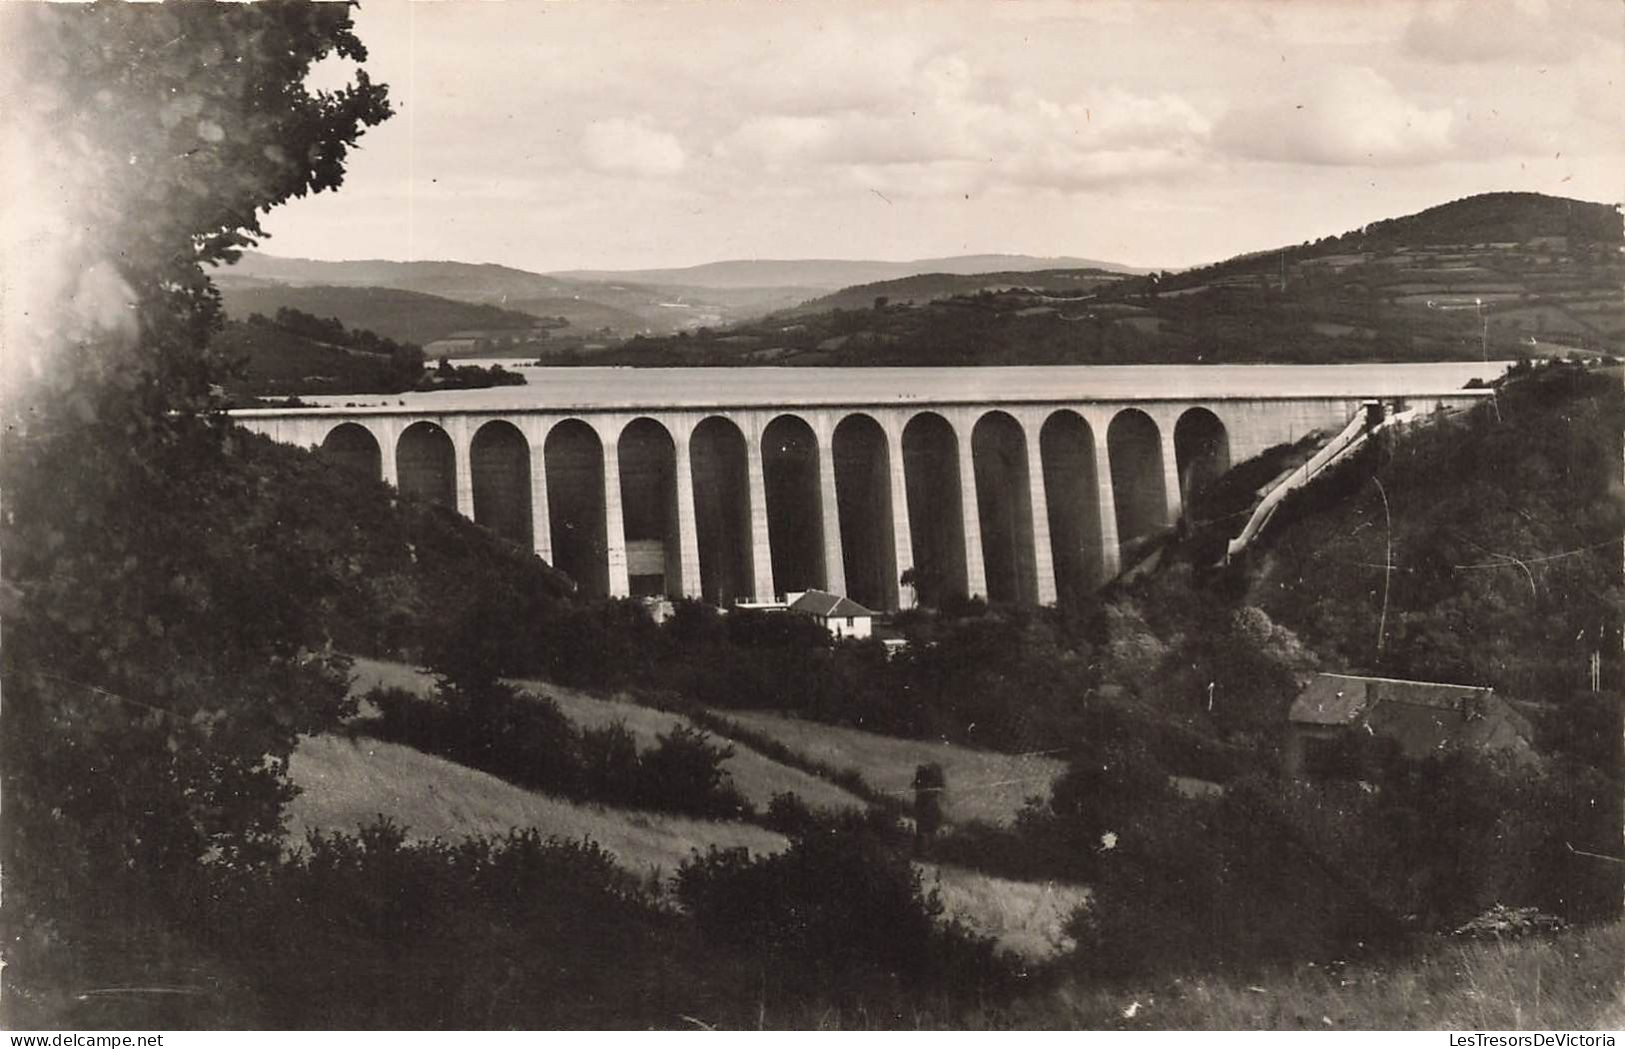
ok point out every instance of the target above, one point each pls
(601, 388)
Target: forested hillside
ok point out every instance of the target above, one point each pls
(406, 316)
(590, 311)
(1502, 275)
(926, 287)
(1504, 535)
(295, 353)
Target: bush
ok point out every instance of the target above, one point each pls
(372, 931)
(528, 741)
(789, 815)
(1510, 923)
(610, 764)
(839, 907)
(684, 773)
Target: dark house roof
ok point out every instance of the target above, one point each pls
(1421, 716)
(826, 605)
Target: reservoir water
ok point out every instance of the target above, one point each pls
(600, 388)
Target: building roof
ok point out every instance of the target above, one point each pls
(1421, 716)
(827, 605)
(1341, 699)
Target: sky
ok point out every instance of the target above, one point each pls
(616, 135)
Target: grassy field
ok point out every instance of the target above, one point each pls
(345, 783)
(1028, 918)
(757, 777)
(982, 785)
(1568, 982)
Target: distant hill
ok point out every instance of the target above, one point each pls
(279, 363)
(621, 306)
(928, 286)
(1502, 274)
(405, 316)
(477, 282)
(1508, 218)
(1487, 221)
(831, 274)
(597, 305)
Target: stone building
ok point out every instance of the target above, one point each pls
(1412, 718)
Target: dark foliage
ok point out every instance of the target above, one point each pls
(296, 352)
(684, 772)
(264, 360)
(168, 623)
(839, 908)
(372, 931)
(526, 740)
(448, 376)
(789, 815)
(1506, 576)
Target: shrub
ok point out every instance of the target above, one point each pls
(684, 773)
(528, 741)
(1510, 923)
(789, 815)
(610, 764)
(839, 907)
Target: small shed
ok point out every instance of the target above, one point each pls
(1418, 718)
(840, 615)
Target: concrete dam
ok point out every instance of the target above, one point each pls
(1013, 484)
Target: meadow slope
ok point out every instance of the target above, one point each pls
(345, 783)
(983, 785)
(1567, 982)
(757, 777)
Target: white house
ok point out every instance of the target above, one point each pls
(841, 616)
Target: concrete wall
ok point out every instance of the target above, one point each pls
(862, 627)
(882, 498)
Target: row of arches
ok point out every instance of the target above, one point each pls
(834, 524)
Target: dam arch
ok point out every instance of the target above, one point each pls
(795, 513)
(1201, 451)
(720, 464)
(864, 505)
(354, 448)
(1004, 507)
(647, 456)
(1066, 448)
(1134, 446)
(936, 507)
(573, 456)
(427, 464)
(499, 467)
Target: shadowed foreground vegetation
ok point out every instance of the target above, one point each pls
(1564, 982)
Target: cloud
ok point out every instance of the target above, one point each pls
(1350, 116)
(631, 147)
(957, 131)
(764, 129)
(1508, 31)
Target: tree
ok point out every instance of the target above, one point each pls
(161, 654)
(157, 135)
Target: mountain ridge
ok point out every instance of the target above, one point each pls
(1503, 274)
(835, 274)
